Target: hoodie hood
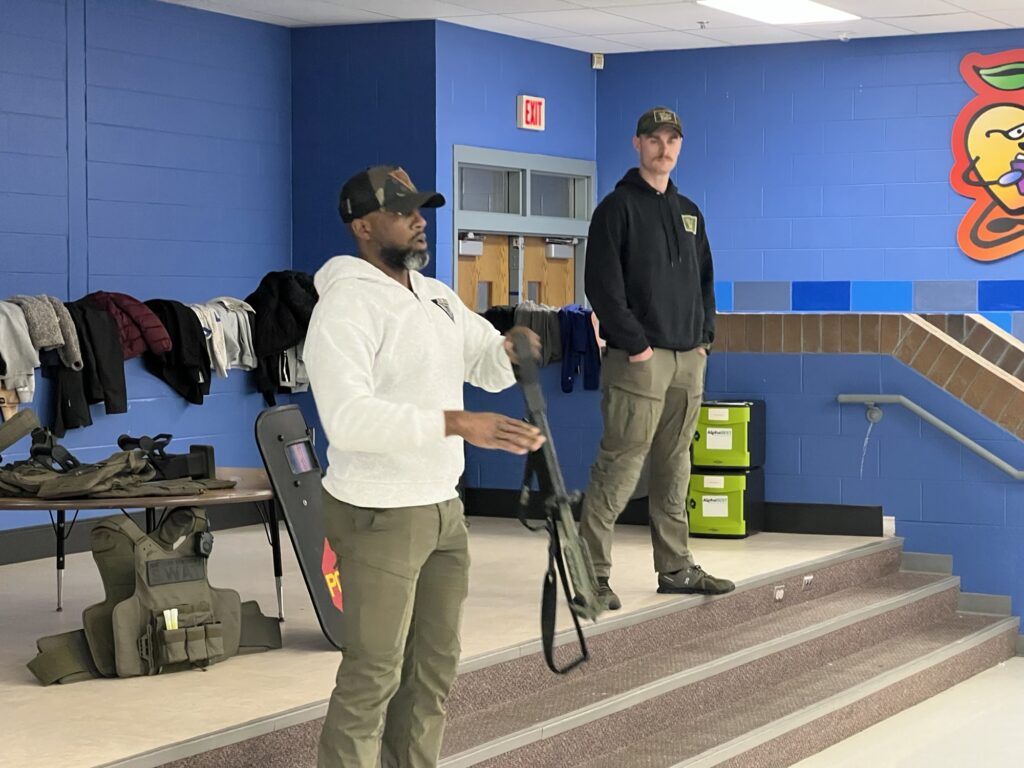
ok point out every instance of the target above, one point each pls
(341, 268)
(634, 179)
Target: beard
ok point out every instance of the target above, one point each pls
(406, 258)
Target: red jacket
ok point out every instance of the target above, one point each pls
(138, 326)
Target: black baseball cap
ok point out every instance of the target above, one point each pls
(658, 117)
(383, 188)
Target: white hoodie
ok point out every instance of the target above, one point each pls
(384, 364)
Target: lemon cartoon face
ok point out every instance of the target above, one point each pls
(995, 142)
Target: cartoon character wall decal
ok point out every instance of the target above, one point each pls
(988, 152)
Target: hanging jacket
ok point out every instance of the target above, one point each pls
(543, 320)
(186, 365)
(283, 303)
(648, 274)
(101, 379)
(139, 328)
(580, 353)
(21, 357)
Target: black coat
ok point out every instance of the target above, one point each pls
(101, 379)
(283, 303)
(186, 368)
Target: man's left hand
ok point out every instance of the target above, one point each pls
(529, 335)
(702, 351)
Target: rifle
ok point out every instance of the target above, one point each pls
(566, 551)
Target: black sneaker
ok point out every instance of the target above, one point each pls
(606, 598)
(693, 581)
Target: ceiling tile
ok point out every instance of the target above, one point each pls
(679, 15)
(507, 25)
(987, 5)
(880, 9)
(593, 44)
(761, 34)
(1014, 17)
(586, 22)
(299, 13)
(603, 4)
(947, 22)
(417, 9)
(855, 30)
(664, 41)
(520, 6)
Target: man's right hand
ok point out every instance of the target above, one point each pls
(493, 430)
(641, 357)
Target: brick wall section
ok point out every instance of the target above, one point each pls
(962, 354)
(984, 337)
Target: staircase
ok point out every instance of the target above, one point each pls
(785, 666)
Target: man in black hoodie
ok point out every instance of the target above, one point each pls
(650, 280)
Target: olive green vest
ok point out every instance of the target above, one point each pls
(143, 575)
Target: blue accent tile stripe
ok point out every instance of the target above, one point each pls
(882, 296)
(1000, 295)
(825, 296)
(764, 296)
(945, 295)
(1018, 325)
(723, 295)
(1003, 319)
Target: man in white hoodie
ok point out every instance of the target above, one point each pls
(387, 352)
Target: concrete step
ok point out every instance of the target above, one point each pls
(778, 717)
(507, 714)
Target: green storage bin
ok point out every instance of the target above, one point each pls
(730, 434)
(726, 505)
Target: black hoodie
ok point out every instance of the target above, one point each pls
(648, 271)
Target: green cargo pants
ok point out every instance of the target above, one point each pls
(648, 408)
(404, 578)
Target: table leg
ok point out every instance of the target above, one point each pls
(275, 548)
(61, 535)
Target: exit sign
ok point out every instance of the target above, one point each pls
(530, 113)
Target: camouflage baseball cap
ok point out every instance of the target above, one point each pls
(658, 117)
(383, 188)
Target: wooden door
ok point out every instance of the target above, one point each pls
(483, 280)
(547, 281)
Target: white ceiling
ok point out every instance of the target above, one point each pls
(613, 26)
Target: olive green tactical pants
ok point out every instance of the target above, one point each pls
(404, 578)
(648, 408)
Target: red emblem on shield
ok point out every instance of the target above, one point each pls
(329, 565)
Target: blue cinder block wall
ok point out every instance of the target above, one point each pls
(479, 75)
(823, 169)
(144, 148)
(945, 498)
(361, 95)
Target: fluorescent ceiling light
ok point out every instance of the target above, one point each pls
(780, 11)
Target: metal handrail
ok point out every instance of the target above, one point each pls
(873, 401)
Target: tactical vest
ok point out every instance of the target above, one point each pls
(127, 635)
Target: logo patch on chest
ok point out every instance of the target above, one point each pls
(443, 304)
(689, 223)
